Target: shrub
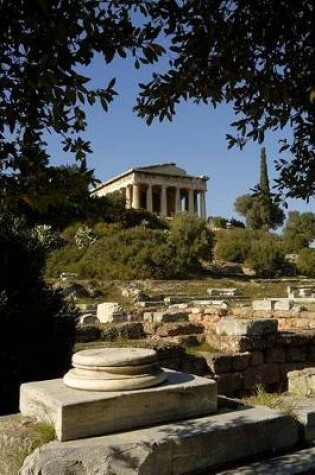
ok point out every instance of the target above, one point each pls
(84, 237)
(266, 257)
(306, 262)
(233, 245)
(37, 325)
(191, 240)
(138, 252)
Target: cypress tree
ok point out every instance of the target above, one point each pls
(264, 195)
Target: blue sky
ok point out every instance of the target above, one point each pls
(195, 140)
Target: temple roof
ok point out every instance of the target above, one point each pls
(170, 169)
(163, 169)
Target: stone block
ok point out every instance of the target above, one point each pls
(108, 312)
(174, 329)
(285, 339)
(192, 446)
(302, 382)
(220, 363)
(87, 319)
(295, 463)
(76, 414)
(241, 361)
(240, 344)
(275, 355)
(256, 358)
(229, 384)
(246, 327)
(296, 353)
(165, 317)
(282, 305)
(265, 374)
(87, 333)
(262, 305)
(311, 353)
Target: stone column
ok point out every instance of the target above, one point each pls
(135, 196)
(191, 202)
(128, 196)
(149, 203)
(163, 206)
(203, 206)
(178, 203)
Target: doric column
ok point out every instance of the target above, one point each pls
(149, 199)
(178, 203)
(191, 203)
(203, 206)
(163, 206)
(135, 196)
(128, 197)
(196, 203)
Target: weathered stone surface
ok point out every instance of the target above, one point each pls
(268, 305)
(241, 361)
(220, 363)
(187, 340)
(182, 396)
(87, 333)
(129, 330)
(296, 353)
(165, 317)
(302, 382)
(275, 355)
(87, 318)
(265, 374)
(108, 312)
(229, 384)
(178, 448)
(240, 327)
(311, 353)
(296, 463)
(256, 358)
(304, 409)
(294, 339)
(114, 369)
(240, 344)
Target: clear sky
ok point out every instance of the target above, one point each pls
(195, 141)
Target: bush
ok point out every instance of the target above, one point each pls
(37, 325)
(267, 258)
(191, 240)
(233, 245)
(138, 252)
(306, 262)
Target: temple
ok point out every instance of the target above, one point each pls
(164, 189)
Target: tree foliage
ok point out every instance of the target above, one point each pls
(219, 51)
(42, 45)
(260, 209)
(37, 325)
(258, 56)
(299, 230)
(306, 262)
(138, 252)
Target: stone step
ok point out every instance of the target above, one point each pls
(76, 413)
(296, 463)
(191, 446)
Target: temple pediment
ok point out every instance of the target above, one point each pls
(163, 169)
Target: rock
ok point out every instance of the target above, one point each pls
(302, 382)
(238, 327)
(87, 318)
(165, 317)
(108, 312)
(193, 446)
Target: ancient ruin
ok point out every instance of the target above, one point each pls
(164, 189)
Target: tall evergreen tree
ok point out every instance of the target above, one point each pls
(260, 209)
(264, 195)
